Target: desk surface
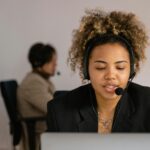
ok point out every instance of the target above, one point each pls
(91, 141)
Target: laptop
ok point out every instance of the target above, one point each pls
(94, 141)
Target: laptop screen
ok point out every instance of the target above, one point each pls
(94, 141)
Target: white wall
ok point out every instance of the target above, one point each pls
(51, 21)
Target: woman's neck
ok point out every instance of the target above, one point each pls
(42, 74)
(106, 105)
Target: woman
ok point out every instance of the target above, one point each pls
(36, 89)
(108, 49)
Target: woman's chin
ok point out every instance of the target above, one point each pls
(109, 95)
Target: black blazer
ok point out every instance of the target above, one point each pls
(76, 111)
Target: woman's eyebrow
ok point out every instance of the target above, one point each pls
(104, 62)
(121, 61)
(100, 61)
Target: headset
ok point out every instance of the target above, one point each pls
(102, 39)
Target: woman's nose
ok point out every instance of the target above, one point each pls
(110, 74)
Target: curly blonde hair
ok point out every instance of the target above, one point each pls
(100, 22)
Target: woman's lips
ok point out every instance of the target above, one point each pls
(110, 88)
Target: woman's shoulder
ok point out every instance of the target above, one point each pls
(139, 89)
(71, 98)
(33, 78)
(139, 92)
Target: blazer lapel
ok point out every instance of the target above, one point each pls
(123, 115)
(87, 115)
(88, 120)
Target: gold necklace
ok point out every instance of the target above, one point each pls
(104, 124)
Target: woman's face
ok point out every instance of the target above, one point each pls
(50, 67)
(109, 68)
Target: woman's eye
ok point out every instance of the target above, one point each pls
(100, 68)
(120, 68)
